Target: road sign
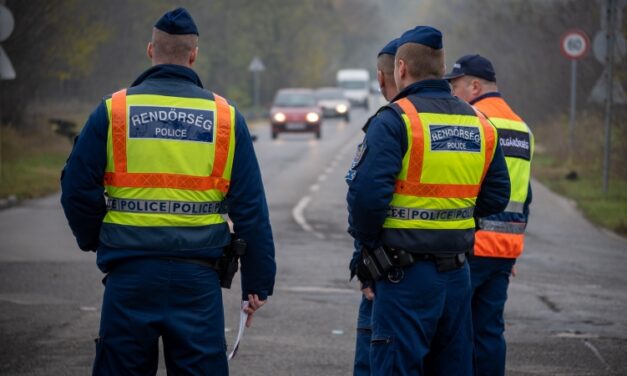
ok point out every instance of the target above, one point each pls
(575, 44)
(600, 90)
(256, 65)
(6, 68)
(6, 23)
(599, 47)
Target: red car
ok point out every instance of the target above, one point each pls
(295, 110)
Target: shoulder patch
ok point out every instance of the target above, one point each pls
(359, 154)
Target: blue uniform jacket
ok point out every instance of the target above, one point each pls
(372, 176)
(83, 191)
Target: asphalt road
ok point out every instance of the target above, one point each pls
(565, 315)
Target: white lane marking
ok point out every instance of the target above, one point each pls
(299, 217)
(299, 209)
(596, 353)
(297, 213)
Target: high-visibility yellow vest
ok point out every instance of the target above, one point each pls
(446, 160)
(160, 175)
(499, 236)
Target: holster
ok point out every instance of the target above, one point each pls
(228, 263)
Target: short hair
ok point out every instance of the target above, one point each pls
(172, 48)
(422, 62)
(385, 63)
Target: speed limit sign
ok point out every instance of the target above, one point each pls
(575, 44)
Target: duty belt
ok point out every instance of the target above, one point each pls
(166, 206)
(384, 261)
(444, 262)
(213, 264)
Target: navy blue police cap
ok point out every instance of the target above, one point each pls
(177, 21)
(425, 35)
(472, 65)
(390, 48)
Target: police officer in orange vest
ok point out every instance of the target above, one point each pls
(499, 237)
(172, 159)
(428, 164)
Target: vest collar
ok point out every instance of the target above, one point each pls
(169, 71)
(486, 95)
(426, 88)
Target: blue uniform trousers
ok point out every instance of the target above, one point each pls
(364, 334)
(422, 325)
(146, 299)
(490, 279)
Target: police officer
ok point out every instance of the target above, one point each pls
(385, 77)
(428, 162)
(171, 158)
(499, 237)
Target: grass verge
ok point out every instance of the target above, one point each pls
(553, 162)
(31, 163)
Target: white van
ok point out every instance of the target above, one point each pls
(356, 85)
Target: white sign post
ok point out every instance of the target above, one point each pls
(256, 66)
(575, 45)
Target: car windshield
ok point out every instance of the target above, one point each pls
(294, 99)
(329, 94)
(351, 85)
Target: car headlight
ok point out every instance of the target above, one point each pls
(312, 117)
(279, 117)
(341, 108)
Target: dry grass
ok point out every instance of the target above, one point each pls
(553, 162)
(32, 155)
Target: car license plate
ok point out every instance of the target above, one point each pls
(295, 126)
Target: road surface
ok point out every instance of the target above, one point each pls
(565, 315)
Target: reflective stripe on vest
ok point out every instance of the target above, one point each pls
(430, 214)
(502, 238)
(171, 169)
(504, 227)
(435, 194)
(165, 206)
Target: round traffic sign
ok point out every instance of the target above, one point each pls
(599, 47)
(6, 22)
(575, 44)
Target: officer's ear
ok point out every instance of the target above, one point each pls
(192, 56)
(380, 79)
(149, 50)
(476, 88)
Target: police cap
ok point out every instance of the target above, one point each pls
(177, 21)
(390, 48)
(472, 65)
(425, 35)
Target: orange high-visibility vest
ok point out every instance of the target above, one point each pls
(496, 236)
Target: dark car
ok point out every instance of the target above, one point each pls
(295, 110)
(333, 102)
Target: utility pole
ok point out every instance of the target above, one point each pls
(609, 100)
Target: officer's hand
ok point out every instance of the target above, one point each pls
(368, 293)
(514, 272)
(254, 303)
